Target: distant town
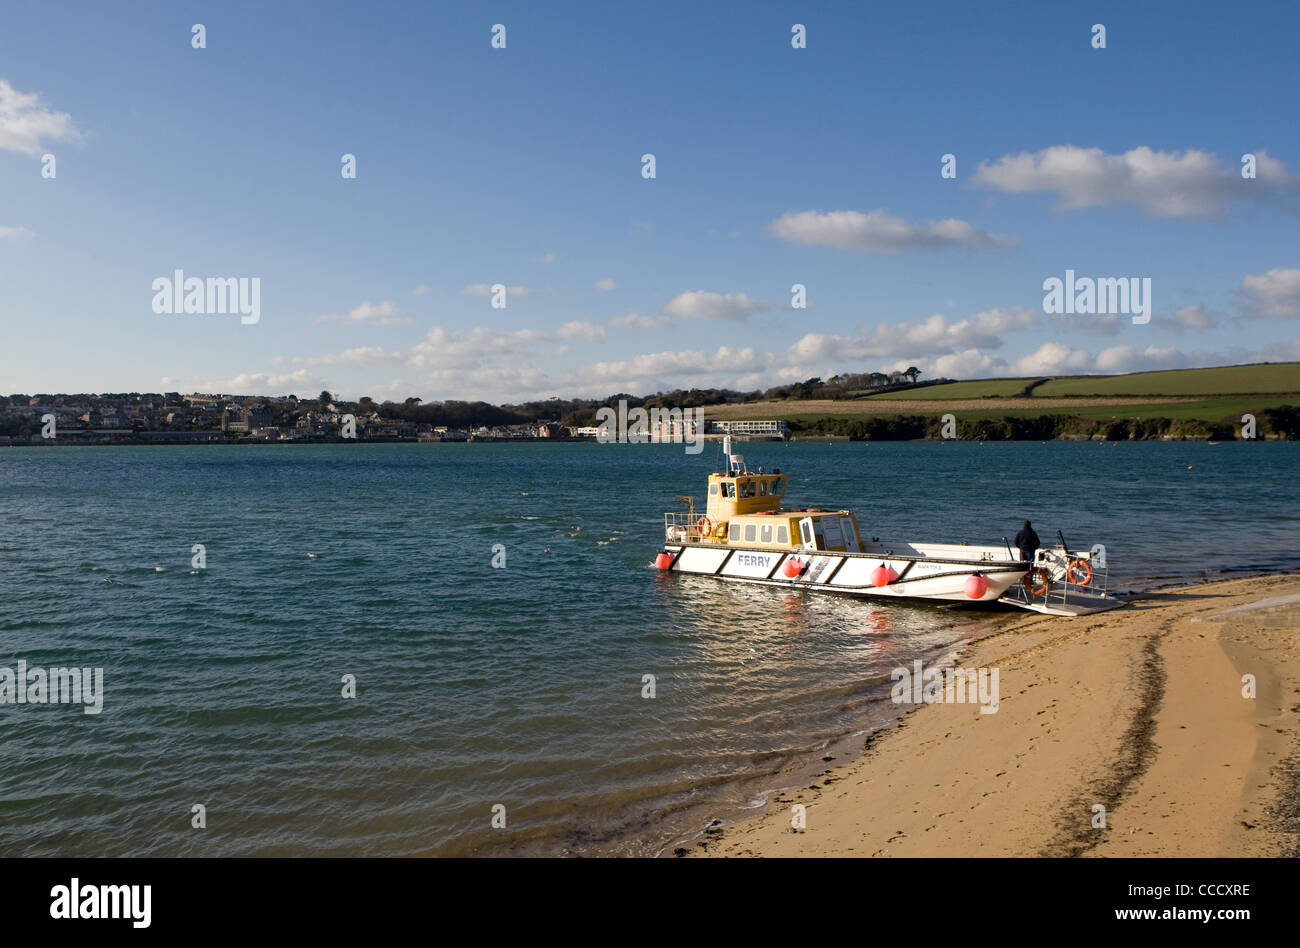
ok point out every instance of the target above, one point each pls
(173, 418)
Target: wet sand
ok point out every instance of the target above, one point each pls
(1139, 710)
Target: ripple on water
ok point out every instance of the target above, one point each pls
(520, 686)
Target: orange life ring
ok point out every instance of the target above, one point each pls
(705, 526)
(1079, 566)
(1037, 581)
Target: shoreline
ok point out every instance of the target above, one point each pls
(801, 438)
(1139, 710)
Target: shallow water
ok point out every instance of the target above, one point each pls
(520, 686)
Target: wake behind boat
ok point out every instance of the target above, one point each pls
(744, 535)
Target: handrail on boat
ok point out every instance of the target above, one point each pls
(1060, 587)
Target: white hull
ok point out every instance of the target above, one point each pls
(919, 577)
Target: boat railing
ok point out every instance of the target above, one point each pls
(1073, 577)
(682, 527)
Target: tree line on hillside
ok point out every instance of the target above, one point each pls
(574, 412)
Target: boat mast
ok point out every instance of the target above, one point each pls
(735, 462)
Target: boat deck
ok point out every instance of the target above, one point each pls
(1058, 601)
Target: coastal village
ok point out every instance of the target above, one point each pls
(173, 418)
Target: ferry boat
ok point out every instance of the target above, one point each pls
(745, 535)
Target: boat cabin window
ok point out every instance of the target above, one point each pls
(762, 488)
(729, 490)
(746, 489)
(765, 535)
(713, 490)
(778, 487)
(751, 533)
(733, 532)
(782, 534)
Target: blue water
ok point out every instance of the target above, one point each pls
(519, 686)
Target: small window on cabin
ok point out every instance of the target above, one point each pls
(733, 532)
(746, 489)
(729, 490)
(713, 490)
(782, 534)
(762, 488)
(778, 487)
(765, 535)
(751, 533)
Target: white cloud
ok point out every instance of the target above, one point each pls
(577, 329)
(362, 355)
(936, 335)
(639, 370)
(1275, 293)
(1193, 317)
(967, 364)
(17, 233)
(878, 232)
(497, 365)
(26, 125)
(252, 383)
(1127, 359)
(634, 323)
(1192, 183)
(700, 304)
(376, 314)
(1052, 358)
(605, 285)
(442, 349)
(420, 290)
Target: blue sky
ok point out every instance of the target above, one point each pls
(522, 166)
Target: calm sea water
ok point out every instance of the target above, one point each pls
(519, 686)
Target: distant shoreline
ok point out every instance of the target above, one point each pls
(804, 438)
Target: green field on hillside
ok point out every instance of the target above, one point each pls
(980, 388)
(1194, 403)
(1211, 409)
(1228, 380)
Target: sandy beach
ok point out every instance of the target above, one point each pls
(1139, 710)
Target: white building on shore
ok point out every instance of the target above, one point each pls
(751, 428)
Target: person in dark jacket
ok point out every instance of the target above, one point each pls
(1027, 543)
